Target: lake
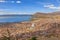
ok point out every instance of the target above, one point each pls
(14, 18)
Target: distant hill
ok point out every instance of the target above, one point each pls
(15, 15)
(52, 13)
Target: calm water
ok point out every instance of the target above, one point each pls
(14, 18)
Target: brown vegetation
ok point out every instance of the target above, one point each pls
(46, 27)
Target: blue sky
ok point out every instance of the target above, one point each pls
(28, 6)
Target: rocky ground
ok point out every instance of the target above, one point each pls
(46, 28)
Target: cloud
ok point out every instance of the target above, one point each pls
(2, 1)
(15, 1)
(12, 1)
(43, 3)
(12, 13)
(6, 12)
(51, 6)
(18, 1)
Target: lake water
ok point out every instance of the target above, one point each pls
(14, 18)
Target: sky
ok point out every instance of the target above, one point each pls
(28, 6)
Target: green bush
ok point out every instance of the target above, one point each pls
(33, 38)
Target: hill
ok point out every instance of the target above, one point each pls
(44, 26)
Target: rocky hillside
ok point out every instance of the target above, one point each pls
(39, 15)
(41, 25)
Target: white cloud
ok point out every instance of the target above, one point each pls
(15, 1)
(51, 6)
(18, 1)
(43, 3)
(1, 1)
(10, 13)
(12, 1)
(5, 12)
